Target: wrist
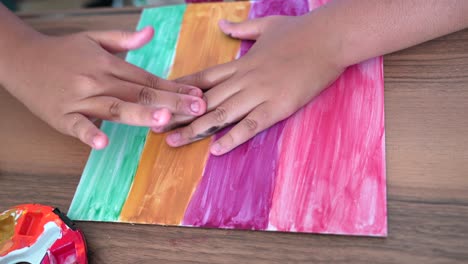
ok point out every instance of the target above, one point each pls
(13, 54)
(14, 36)
(324, 35)
(343, 45)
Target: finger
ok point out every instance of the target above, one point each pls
(258, 120)
(220, 93)
(176, 121)
(176, 103)
(82, 128)
(227, 113)
(113, 109)
(119, 41)
(250, 29)
(133, 74)
(214, 97)
(210, 77)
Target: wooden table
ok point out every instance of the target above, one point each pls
(426, 90)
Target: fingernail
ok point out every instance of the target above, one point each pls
(174, 138)
(216, 148)
(195, 107)
(98, 142)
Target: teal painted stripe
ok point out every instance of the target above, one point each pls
(109, 173)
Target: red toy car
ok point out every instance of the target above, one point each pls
(34, 233)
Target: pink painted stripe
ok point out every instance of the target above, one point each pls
(332, 166)
(236, 189)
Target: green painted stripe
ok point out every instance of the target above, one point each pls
(109, 173)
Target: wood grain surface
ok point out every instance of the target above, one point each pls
(426, 97)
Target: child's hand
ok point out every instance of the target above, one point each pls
(291, 62)
(71, 80)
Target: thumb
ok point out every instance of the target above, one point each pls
(250, 29)
(120, 41)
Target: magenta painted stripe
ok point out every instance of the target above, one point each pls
(236, 189)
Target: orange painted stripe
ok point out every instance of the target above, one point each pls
(167, 177)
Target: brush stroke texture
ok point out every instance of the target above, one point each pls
(167, 177)
(331, 176)
(322, 170)
(236, 188)
(109, 173)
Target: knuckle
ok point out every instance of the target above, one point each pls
(124, 35)
(190, 131)
(179, 104)
(220, 114)
(147, 96)
(199, 77)
(228, 140)
(289, 107)
(63, 126)
(182, 80)
(79, 128)
(105, 60)
(250, 124)
(74, 128)
(86, 86)
(114, 110)
(152, 81)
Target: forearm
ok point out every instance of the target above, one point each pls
(365, 29)
(13, 33)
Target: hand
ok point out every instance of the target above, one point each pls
(69, 81)
(290, 63)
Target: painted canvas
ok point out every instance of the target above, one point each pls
(320, 171)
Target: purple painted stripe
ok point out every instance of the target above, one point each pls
(236, 189)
